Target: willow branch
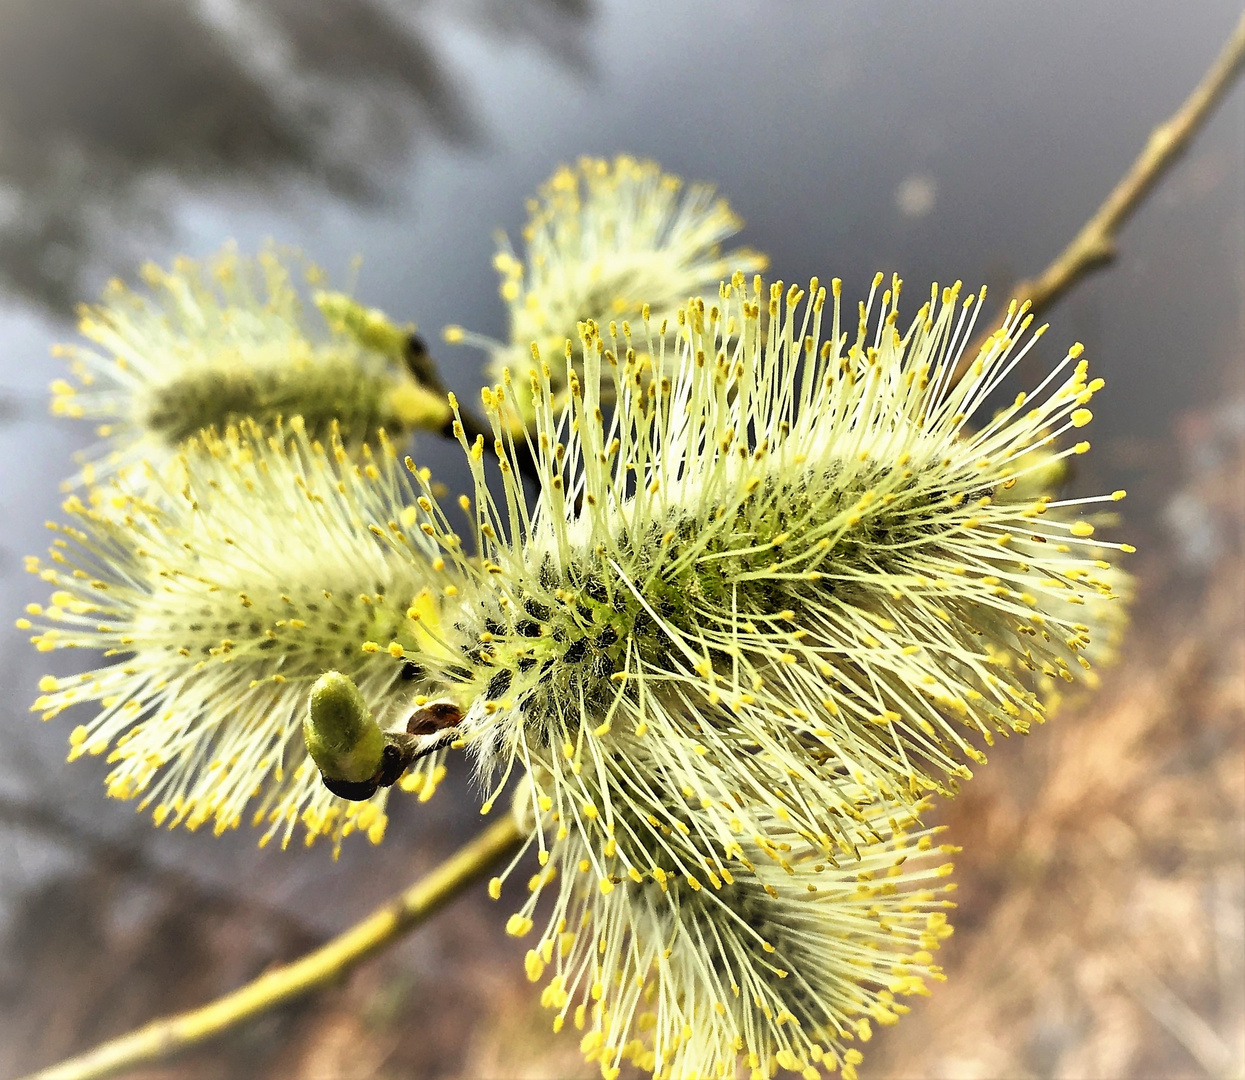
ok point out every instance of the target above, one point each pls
(1092, 247)
(1095, 245)
(326, 965)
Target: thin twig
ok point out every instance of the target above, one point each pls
(1095, 245)
(1161, 1002)
(328, 964)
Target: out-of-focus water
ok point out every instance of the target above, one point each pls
(953, 140)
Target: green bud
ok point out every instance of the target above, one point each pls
(370, 327)
(342, 737)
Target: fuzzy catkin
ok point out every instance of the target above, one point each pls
(218, 604)
(603, 239)
(788, 556)
(766, 954)
(213, 342)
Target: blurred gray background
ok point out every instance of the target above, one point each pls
(940, 140)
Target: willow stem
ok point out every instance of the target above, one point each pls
(328, 964)
(1095, 245)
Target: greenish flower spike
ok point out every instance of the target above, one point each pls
(689, 960)
(214, 342)
(797, 561)
(604, 239)
(217, 605)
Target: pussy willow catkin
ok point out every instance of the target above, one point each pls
(790, 556)
(602, 240)
(217, 604)
(766, 954)
(213, 342)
